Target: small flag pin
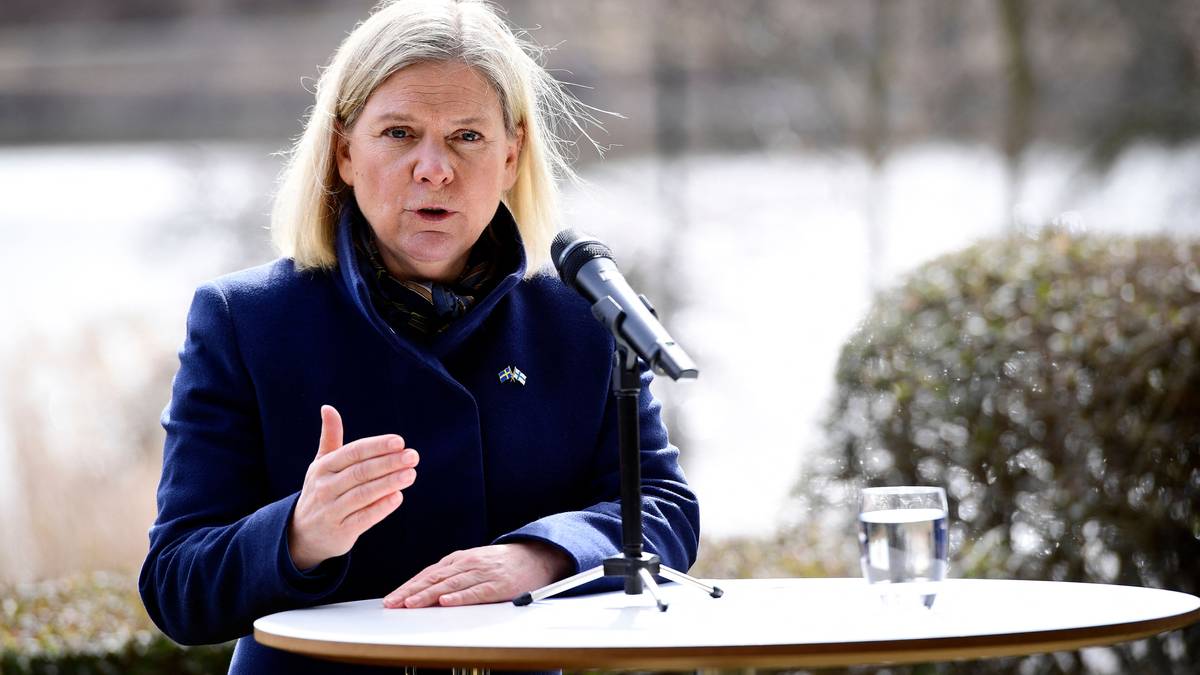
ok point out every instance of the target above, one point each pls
(514, 375)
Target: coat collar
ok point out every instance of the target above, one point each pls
(355, 287)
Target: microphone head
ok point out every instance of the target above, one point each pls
(571, 250)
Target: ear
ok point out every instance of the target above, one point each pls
(341, 139)
(512, 157)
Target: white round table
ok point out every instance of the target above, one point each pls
(758, 623)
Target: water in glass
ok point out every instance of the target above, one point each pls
(904, 544)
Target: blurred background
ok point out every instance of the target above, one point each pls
(842, 209)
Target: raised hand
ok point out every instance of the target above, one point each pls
(347, 490)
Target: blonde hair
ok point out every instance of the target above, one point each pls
(400, 33)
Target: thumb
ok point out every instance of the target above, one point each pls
(331, 430)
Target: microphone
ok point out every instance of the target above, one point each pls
(587, 265)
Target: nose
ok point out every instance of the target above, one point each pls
(433, 163)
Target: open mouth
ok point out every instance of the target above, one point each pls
(434, 214)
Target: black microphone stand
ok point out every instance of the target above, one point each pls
(633, 564)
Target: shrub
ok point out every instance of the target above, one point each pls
(91, 625)
(1052, 385)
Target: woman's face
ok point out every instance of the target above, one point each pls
(429, 160)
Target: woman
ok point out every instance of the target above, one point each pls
(401, 406)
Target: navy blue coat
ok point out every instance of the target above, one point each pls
(500, 462)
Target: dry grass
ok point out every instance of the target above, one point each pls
(84, 447)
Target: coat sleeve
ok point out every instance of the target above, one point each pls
(218, 554)
(670, 513)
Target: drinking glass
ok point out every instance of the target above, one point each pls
(902, 538)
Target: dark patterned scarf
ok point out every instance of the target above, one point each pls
(426, 308)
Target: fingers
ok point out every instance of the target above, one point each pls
(464, 589)
(368, 517)
(348, 489)
(484, 574)
(429, 590)
(366, 493)
(463, 577)
(332, 438)
(427, 577)
(354, 482)
(370, 470)
(362, 449)
(331, 430)
(465, 582)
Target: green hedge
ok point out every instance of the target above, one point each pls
(91, 625)
(1052, 385)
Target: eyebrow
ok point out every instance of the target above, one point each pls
(401, 117)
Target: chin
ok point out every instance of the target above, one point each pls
(435, 267)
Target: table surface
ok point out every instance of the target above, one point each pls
(758, 623)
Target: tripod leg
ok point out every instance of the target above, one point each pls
(651, 587)
(559, 586)
(676, 575)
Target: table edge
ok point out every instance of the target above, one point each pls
(761, 656)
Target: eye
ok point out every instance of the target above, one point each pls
(471, 136)
(396, 132)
